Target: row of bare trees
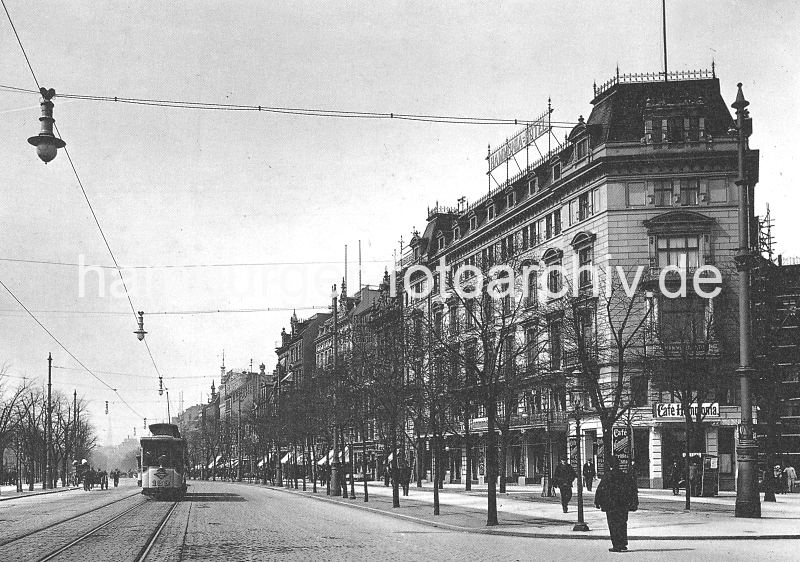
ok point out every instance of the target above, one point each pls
(23, 431)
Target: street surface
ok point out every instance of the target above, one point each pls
(232, 521)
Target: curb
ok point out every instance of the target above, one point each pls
(41, 493)
(501, 532)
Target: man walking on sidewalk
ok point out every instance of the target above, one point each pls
(588, 474)
(563, 477)
(616, 496)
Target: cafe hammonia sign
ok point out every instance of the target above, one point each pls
(674, 410)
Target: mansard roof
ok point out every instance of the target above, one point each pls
(618, 113)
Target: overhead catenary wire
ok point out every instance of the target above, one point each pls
(185, 265)
(302, 111)
(94, 216)
(62, 346)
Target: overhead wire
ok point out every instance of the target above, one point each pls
(94, 215)
(62, 346)
(187, 265)
(304, 111)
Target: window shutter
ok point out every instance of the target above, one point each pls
(685, 128)
(652, 250)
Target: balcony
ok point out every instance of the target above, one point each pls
(558, 422)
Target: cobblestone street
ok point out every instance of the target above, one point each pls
(232, 521)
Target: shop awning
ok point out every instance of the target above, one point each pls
(327, 458)
(285, 458)
(211, 464)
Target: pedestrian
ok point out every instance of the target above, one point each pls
(675, 476)
(791, 476)
(405, 477)
(693, 478)
(588, 474)
(116, 477)
(616, 496)
(386, 475)
(563, 477)
(778, 476)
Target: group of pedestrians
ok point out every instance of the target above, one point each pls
(616, 495)
(91, 477)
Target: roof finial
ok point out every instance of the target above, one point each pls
(713, 68)
(617, 71)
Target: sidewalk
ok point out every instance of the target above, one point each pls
(523, 512)
(10, 492)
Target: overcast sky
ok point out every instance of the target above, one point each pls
(178, 187)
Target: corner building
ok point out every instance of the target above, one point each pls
(647, 180)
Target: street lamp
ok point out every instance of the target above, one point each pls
(747, 499)
(46, 143)
(576, 397)
(140, 333)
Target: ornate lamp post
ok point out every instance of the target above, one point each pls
(747, 499)
(576, 398)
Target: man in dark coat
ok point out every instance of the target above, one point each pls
(563, 477)
(616, 496)
(589, 474)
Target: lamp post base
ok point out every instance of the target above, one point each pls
(580, 527)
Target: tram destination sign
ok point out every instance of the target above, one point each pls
(674, 410)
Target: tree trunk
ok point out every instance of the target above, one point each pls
(467, 452)
(436, 459)
(364, 460)
(503, 460)
(305, 463)
(688, 504)
(312, 454)
(395, 475)
(491, 465)
(420, 461)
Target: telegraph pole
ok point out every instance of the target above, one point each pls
(48, 480)
(74, 425)
(747, 498)
(336, 487)
(239, 440)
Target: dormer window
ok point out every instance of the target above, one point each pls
(441, 242)
(456, 232)
(533, 185)
(473, 222)
(581, 149)
(556, 171)
(510, 200)
(490, 212)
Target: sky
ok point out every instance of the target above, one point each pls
(178, 188)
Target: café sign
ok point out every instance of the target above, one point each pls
(674, 410)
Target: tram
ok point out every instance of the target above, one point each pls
(162, 461)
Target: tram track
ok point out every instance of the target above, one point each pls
(91, 532)
(151, 541)
(50, 526)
